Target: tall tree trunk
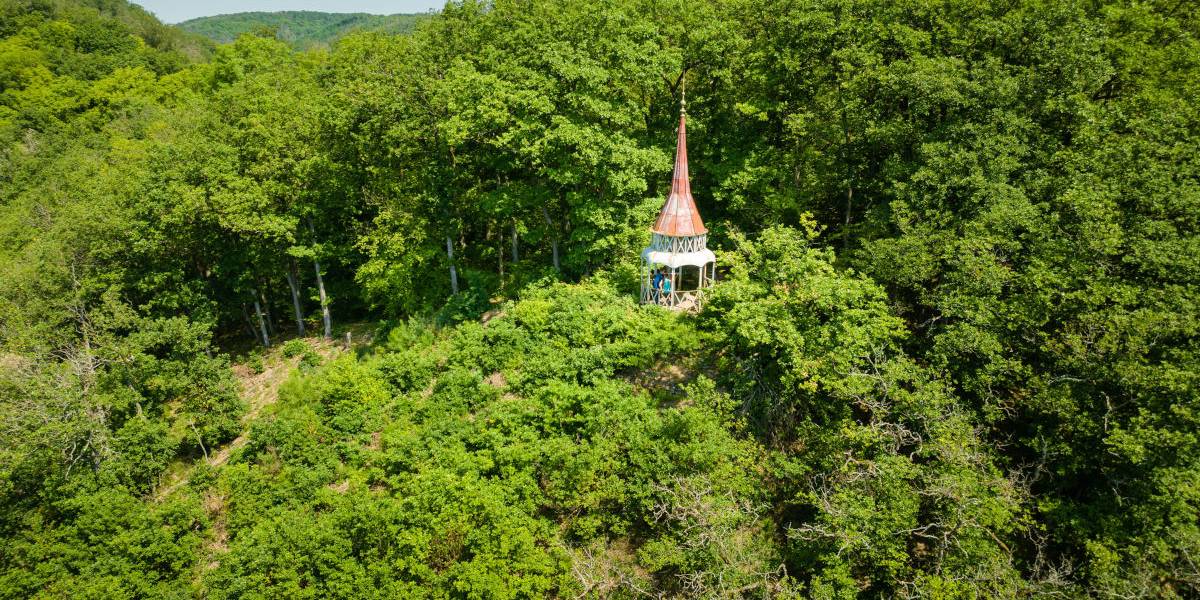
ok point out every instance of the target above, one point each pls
(249, 322)
(500, 254)
(516, 254)
(199, 439)
(266, 307)
(453, 272)
(294, 284)
(846, 223)
(845, 154)
(325, 318)
(327, 322)
(849, 176)
(262, 324)
(553, 238)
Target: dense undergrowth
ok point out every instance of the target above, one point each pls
(531, 456)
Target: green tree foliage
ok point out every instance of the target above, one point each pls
(905, 497)
(952, 351)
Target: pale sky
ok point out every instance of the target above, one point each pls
(174, 11)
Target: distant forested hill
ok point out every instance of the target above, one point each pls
(299, 28)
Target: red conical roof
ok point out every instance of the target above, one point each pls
(679, 216)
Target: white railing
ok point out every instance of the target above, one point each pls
(687, 243)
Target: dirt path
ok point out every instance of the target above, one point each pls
(258, 390)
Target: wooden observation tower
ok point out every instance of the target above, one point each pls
(678, 249)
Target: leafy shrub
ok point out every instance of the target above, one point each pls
(144, 449)
(294, 348)
(310, 360)
(469, 303)
(256, 363)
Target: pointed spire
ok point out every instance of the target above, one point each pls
(679, 216)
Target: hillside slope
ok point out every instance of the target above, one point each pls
(299, 28)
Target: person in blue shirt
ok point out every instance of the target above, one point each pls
(656, 286)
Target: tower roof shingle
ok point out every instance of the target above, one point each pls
(679, 216)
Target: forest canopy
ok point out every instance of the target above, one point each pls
(362, 321)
